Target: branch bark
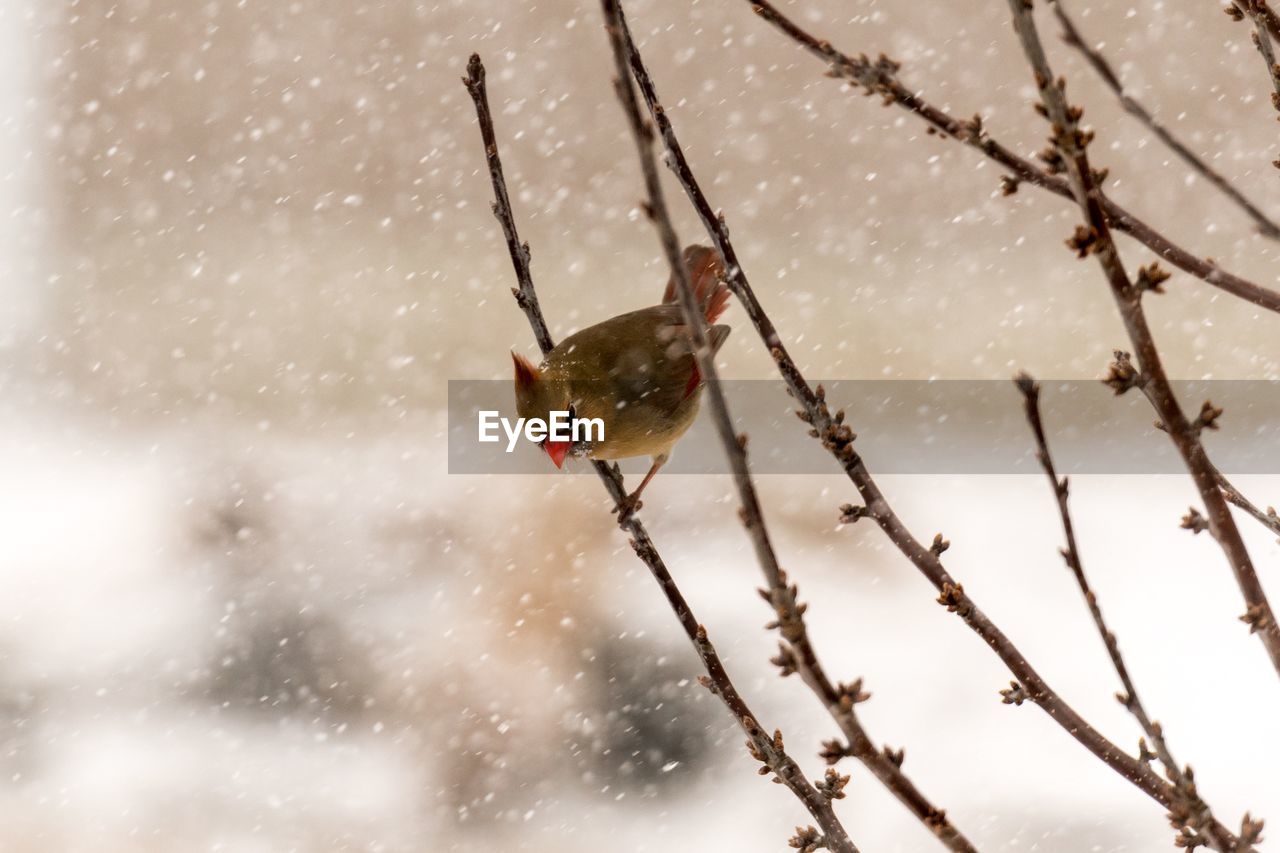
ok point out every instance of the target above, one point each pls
(780, 594)
(880, 78)
(1265, 29)
(1095, 238)
(1190, 814)
(1268, 518)
(769, 750)
(796, 650)
(838, 440)
(1071, 35)
(1122, 376)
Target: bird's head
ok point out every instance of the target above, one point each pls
(537, 395)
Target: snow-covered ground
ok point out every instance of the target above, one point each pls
(219, 639)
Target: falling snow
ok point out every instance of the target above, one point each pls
(246, 607)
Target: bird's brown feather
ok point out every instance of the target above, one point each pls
(635, 371)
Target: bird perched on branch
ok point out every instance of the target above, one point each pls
(635, 372)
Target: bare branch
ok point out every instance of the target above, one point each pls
(1122, 376)
(1190, 814)
(735, 450)
(1267, 518)
(839, 443)
(524, 293)
(1071, 141)
(880, 78)
(797, 652)
(1095, 238)
(1071, 35)
(767, 749)
(1265, 28)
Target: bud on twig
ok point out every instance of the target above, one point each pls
(1194, 521)
(1014, 694)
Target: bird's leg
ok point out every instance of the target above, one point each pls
(631, 502)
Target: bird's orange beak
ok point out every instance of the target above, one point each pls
(557, 450)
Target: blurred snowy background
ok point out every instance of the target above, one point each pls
(242, 605)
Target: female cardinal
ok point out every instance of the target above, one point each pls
(635, 372)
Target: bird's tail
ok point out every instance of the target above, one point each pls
(706, 274)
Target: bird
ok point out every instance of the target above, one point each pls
(635, 372)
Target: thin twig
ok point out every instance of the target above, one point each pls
(1269, 19)
(797, 653)
(769, 750)
(1264, 30)
(1190, 815)
(839, 442)
(1095, 238)
(1122, 376)
(1071, 35)
(1267, 518)
(788, 609)
(1265, 14)
(880, 78)
(526, 296)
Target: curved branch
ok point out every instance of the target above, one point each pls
(1267, 518)
(1071, 35)
(768, 750)
(827, 428)
(797, 652)
(880, 78)
(1191, 815)
(834, 836)
(1095, 238)
(1264, 30)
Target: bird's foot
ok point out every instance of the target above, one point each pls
(630, 506)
